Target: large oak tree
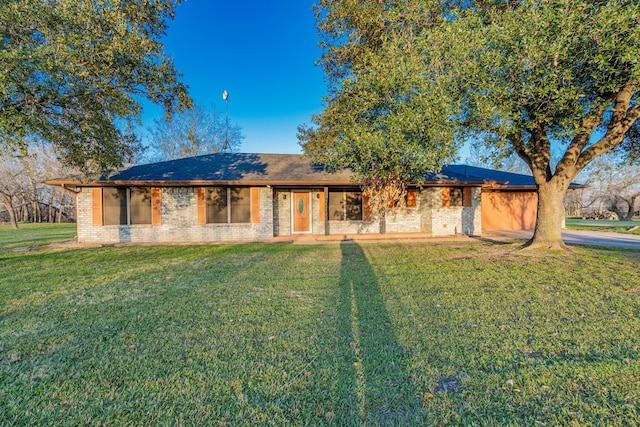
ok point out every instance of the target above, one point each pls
(535, 73)
(384, 113)
(520, 76)
(73, 72)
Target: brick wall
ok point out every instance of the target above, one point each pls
(179, 222)
(317, 226)
(412, 220)
(281, 212)
(447, 221)
(409, 221)
(179, 219)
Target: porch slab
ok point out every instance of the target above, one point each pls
(309, 238)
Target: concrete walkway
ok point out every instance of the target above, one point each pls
(577, 237)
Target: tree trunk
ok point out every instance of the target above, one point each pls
(37, 212)
(12, 214)
(550, 218)
(628, 215)
(615, 206)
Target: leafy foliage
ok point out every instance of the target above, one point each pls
(515, 75)
(540, 71)
(384, 117)
(73, 73)
(537, 72)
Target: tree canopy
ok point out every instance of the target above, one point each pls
(384, 115)
(535, 73)
(74, 72)
(193, 132)
(517, 76)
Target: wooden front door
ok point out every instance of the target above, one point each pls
(301, 212)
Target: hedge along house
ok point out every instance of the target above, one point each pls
(259, 197)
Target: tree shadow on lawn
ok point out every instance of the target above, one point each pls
(382, 391)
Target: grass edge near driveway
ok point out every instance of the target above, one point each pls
(624, 227)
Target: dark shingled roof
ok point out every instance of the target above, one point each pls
(490, 175)
(287, 169)
(284, 170)
(232, 167)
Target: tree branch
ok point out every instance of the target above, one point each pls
(540, 155)
(620, 123)
(569, 162)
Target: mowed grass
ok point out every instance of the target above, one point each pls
(434, 333)
(29, 236)
(625, 227)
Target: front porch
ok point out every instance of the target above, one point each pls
(334, 238)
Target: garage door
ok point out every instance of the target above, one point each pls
(513, 210)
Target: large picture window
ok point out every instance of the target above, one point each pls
(345, 205)
(126, 206)
(228, 205)
(140, 206)
(114, 206)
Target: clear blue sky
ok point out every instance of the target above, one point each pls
(262, 53)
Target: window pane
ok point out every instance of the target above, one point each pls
(140, 206)
(217, 205)
(336, 205)
(353, 205)
(345, 205)
(114, 206)
(455, 196)
(240, 204)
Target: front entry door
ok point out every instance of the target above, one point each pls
(301, 212)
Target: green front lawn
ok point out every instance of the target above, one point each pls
(625, 227)
(436, 333)
(29, 235)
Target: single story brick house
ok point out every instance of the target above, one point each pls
(262, 197)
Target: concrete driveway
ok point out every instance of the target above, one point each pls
(578, 237)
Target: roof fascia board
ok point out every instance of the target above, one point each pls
(252, 183)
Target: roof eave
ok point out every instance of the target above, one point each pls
(253, 183)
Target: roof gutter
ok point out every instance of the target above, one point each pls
(254, 183)
(64, 187)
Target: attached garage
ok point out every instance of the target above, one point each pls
(508, 210)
